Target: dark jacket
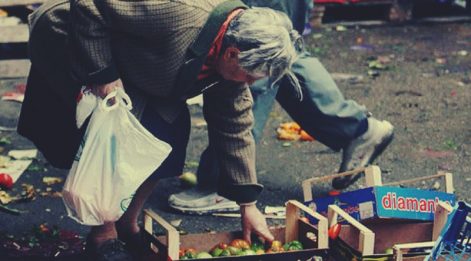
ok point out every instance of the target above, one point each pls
(157, 48)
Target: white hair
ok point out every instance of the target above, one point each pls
(267, 42)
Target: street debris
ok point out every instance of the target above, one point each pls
(14, 168)
(9, 210)
(5, 141)
(237, 215)
(362, 47)
(42, 242)
(23, 154)
(435, 154)
(408, 92)
(52, 180)
(3, 128)
(13, 96)
(428, 75)
(176, 223)
(377, 64)
(340, 28)
(441, 60)
(188, 179)
(9, 21)
(350, 78)
(279, 211)
(5, 198)
(291, 131)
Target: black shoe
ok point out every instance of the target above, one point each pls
(364, 150)
(111, 250)
(136, 244)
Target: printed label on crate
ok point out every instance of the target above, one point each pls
(409, 203)
(385, 202)
(366, 210)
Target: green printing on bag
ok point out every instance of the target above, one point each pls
(125, 203)
(113, 152)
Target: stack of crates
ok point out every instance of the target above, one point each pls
(454, 242)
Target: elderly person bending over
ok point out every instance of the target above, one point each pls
(162, 53)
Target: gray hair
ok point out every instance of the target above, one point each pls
(267, 42)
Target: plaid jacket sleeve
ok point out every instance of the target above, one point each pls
(228, 111)
(90, 43)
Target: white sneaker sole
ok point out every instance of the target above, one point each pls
(220, 207)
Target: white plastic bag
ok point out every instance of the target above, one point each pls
(85, 106)
(116, 156)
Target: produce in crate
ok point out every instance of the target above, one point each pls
(240, 247)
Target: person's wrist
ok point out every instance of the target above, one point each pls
(253, 203)
(247, 206)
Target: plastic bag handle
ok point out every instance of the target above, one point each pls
(125, 100)
(116, 94)
(106, 104)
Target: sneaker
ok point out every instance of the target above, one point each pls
(363, 150)
(200, 202)
(111, 250)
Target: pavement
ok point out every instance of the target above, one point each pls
(424, 90)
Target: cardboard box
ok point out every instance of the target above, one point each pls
(378, 201)
(386, 202)
(313, 238)
(409, 240)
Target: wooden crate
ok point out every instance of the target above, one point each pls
(369, 240)
(314, 238)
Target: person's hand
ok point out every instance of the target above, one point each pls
(102, 90)
(254, 221)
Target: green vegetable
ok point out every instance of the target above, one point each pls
(202, 255)
(256, 246)
(247, 252)
(293, 246)
(190, 255)
(216, 252)
(225, 252)
(234, 250)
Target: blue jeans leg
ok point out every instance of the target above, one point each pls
(323, 112)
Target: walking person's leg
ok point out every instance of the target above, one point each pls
(337, 123)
